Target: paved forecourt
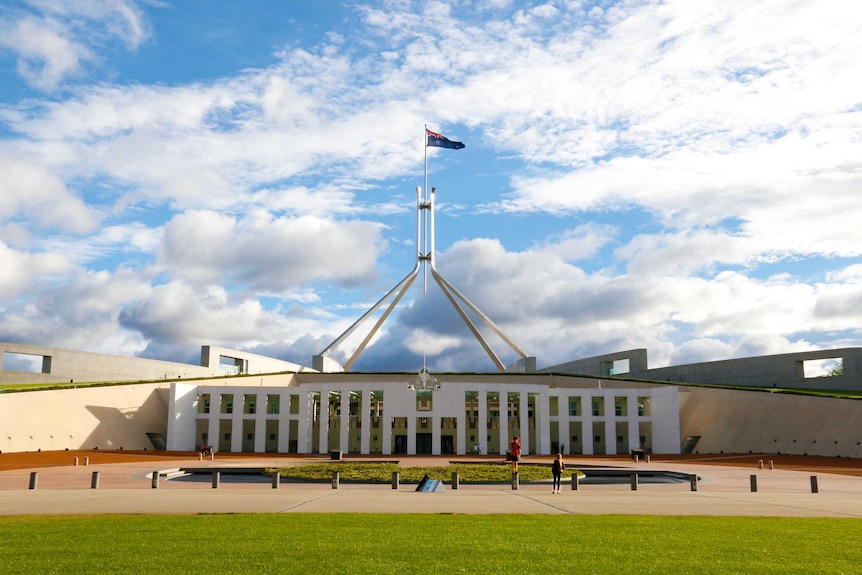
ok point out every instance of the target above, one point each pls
(725, 489)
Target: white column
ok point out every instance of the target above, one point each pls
(386, 429)
(610, 424)
(260, 428)
(344, 435)
(543, 420)
(436, 422)
(323, 440)
(306, 422)
(633, 420)
(261, 407)
(482, 422)
(236, 425)
(365, 418)
(461, 424)
(503, 407)
(524, 421)
(587, 438)
(284, 424)
(213, 424)
(411, 432)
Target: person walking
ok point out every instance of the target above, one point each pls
(515, 452)
(557, 471)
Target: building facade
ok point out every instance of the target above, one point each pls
(381, 414)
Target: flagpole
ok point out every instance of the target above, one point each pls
(424, 213)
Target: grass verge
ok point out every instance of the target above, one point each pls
(404, 544)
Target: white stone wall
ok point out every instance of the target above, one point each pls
(110, 417)
(401, 402)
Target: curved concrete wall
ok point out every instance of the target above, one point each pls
(111, 417)
(733, 421)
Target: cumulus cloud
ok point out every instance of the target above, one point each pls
(676, 176)
(33, 193)
(268, 253)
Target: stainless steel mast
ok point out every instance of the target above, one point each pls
(424, 256)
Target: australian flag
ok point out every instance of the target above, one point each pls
(438, 141)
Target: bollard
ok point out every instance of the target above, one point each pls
(76, 462)
(515, 482)
(395, 479)
(86, 461)
(760, 464)
(634, 481)
(814, 488)
(94, 482)
(576, 481)
(647, 458)
(200, 456)
(693, 479)
(156, 479)
(636, 458)
(276, 480)
(212, 456)
(34, 479)
(456, 480)
(754, 484)
(335, 479)
(216, 479)
(771, 464)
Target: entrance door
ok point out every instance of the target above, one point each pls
(423, 444)
(400, 444)
(447, 445)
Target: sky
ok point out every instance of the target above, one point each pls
(677, 176)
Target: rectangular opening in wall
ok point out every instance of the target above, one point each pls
(615, 367)
(823, 367)
(26, 362)
(230, 365)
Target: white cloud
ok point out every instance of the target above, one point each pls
(54, 40)
(273, 254)
(731, 129)
(46, 55)
(32, 192)
(22, 271)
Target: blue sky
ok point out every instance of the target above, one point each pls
(673, 175)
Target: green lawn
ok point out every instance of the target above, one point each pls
(399, 544)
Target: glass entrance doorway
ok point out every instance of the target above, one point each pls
(423, 444)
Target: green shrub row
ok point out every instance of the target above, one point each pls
(382, 472)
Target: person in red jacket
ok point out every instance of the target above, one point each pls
(515, 452)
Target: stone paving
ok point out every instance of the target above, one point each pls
(125, 486)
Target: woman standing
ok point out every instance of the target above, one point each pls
(515, 452)
(557, 470)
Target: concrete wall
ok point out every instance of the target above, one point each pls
(251, 362)
(108, 417)
(782, 370)
(732, 421)
(63, 365)
(81, 366)
(599, 365)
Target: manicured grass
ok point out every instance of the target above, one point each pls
(380, 544)
(382, 472)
